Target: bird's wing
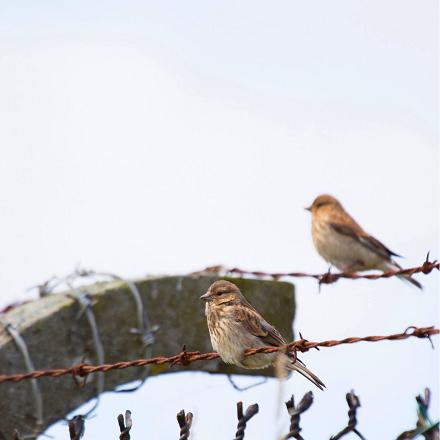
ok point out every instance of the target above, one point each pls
(358, 234)
(255, 324)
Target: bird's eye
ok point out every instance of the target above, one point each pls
(219, 293)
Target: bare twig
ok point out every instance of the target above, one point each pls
(353, 404)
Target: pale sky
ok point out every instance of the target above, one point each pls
(162, 137)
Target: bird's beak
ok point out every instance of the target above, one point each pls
(206, 297)
(309, 208)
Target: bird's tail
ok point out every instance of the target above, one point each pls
(392, 265)
(301, 368)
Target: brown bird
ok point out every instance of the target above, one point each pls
(234, 326)
(344, 244)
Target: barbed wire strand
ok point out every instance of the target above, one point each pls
(295, 413)
(185, 422)
(353, 404)
(323, 278)
(185, 358)
(427, 267)
(244, 418)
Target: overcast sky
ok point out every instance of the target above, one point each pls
(160, 137)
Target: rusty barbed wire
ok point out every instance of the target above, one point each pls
(185, 357)
(323, 278)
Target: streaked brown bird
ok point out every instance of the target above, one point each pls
(344, 244)
(234, 326)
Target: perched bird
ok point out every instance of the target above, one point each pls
(344, 244)
(234, 326)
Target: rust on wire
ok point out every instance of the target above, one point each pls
(325, 278)
(187, 357)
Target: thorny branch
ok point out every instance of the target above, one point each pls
(353, 404)
(185, 358)
(295, 412)
(244, 418)
(185, 422)
(325, 278)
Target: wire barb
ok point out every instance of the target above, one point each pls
(125, 424)
(76, 427)
(185, 422)
(244, 418)
(353, 404)
(295, 413)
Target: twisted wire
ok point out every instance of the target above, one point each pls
(244, 418)
(185, 422)
(185, 357)
(323, 278)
